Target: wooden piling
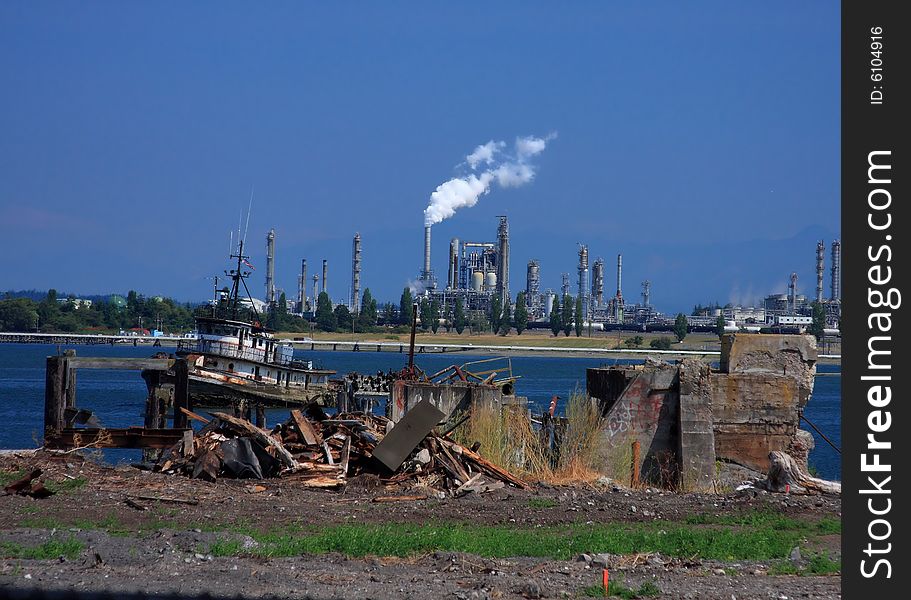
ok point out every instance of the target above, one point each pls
(181, 394)
(153, 379)
(70, 387)
(54, 395)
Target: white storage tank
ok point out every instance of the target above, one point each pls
(491, 280)
(549, 304)
(477, 280)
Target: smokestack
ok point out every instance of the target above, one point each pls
(646, 292)
(426, 274)
(503, 260)
(325, 275)
(356, 275)
(598, 282)
(820, 252)
(836, 271)
(619, 275)
(793, 291)
(302, 287)
(270, 267)
(532, 285)
(583, 278)
(453, 280)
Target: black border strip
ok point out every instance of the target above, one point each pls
(872, 109)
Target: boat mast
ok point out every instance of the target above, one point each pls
(238, 276)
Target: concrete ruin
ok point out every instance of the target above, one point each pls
(687, 416)
(449, 398)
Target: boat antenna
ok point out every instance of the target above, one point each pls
(249, 210)
(230, 242)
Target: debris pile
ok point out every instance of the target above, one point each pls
(318, 450)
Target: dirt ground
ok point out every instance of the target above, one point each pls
(163, 548)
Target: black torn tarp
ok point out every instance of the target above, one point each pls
(245, 459)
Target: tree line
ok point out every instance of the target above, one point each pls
(114, 313)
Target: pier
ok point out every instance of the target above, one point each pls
(364, 346)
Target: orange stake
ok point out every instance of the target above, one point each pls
(606, 586)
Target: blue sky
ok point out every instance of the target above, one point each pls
(701, 142)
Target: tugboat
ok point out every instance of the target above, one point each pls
(236, 361)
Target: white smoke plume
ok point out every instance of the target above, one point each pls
(506, 169)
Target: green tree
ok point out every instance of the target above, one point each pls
(818, 326)
(405, 308)
(325, 318)
(719, 325)
(680, 327)
(434, 315)
(458, 317)
(567, 314)
(496, 313)
(425, 314)
(556, 317)
(633, 342)
(578, 316)
(521, 316)
(343, 318)
(49, 311)
(368, 308)
(661, 343)
(506, 318)
(389, 314)
(19, 314)
(278, 313)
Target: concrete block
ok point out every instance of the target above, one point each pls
(696, 452)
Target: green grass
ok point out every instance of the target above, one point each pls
(615, 587)
(111, 524)
(558, 543)
(542, 503)
(7, 477)
(818, 564)
(766, 519)
(67, 485)
(50, 550)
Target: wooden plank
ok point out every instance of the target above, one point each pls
(193, 415)
(267, 440)
(305, 427)
(127, 364)
(486, 465)
(398, 498)
(459, 469)
(346, 454)
(173, 500)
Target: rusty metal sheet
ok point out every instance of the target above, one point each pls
(407, 434)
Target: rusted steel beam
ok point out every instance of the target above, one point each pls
(130, 437)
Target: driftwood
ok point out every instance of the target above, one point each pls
(786, 474)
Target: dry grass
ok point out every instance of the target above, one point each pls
(510, 440)
(507, 439)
